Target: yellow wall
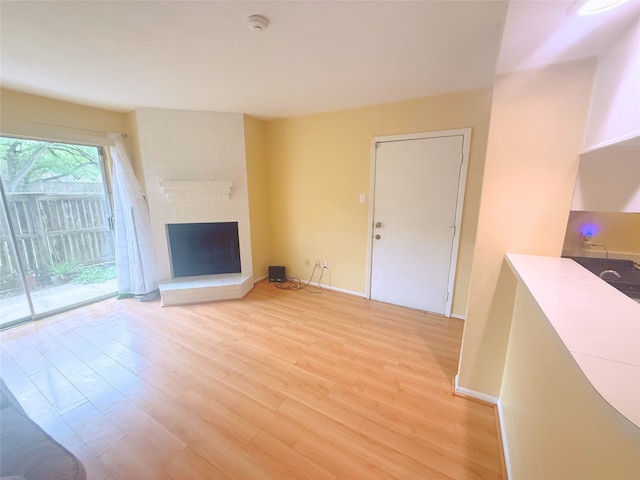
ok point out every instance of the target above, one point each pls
(257, 180)
(619, 233)
(46, 112)
(557, 426)
(32, 108)
(320, 164)
(314, 169)
(537, 124)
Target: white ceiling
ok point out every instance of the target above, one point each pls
(543, 32)
(315, 56)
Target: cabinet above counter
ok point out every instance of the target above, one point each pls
(609, 179)
(609, 171)
(614, 113)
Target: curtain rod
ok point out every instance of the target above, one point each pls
(53, 133)
(45, 124)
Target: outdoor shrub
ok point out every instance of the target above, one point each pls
(95, 274)
(63, 268)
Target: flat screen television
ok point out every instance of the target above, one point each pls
(204, 248)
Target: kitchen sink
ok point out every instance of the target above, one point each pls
(621, 274)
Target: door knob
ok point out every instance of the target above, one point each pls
(377, 237)
(378, 225)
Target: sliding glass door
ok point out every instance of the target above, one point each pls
(14, 302)
(56, 244)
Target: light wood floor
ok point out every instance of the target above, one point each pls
(279, 385)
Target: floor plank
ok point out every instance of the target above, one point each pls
(279, 385)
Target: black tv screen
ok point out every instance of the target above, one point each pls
(204, 248)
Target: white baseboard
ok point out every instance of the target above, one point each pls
(505, 445)
(473, 394)
(495, 401)
(459, 317)
(336, 289)
(327, 287)
(259, 279)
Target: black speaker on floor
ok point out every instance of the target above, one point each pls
(277, 274)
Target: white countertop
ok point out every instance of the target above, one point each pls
(599, 325)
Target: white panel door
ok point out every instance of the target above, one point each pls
(416, 191)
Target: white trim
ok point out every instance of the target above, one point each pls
(420, 135)
(462, 181)
(256, 280)
(372, 191)
(472, 393)
(495, 401)
(503, 437)
(462, 184)
(459, 317)
(329, 287)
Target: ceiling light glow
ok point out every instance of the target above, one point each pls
(594, 7)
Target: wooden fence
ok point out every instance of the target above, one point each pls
(52, 229)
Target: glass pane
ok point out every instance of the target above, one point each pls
(59, 212)
(13, 300)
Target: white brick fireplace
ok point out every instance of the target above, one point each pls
(195, 172)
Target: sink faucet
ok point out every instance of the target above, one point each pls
(611, 272)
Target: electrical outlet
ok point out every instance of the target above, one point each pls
(325, 265)
(306, 262)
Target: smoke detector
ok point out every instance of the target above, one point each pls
(257, 23)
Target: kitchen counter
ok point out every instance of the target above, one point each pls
(599, 326)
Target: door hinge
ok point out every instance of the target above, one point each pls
(447, 299)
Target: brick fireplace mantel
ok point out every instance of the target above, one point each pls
(196, 189)
(195, 172)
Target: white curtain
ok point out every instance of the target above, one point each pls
(135, 260)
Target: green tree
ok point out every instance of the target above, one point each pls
(29, 162)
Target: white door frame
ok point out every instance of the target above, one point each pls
(462, 181)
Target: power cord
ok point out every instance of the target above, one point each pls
(602, 246)
(294, 283)
(289, 283)
(587, 243)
